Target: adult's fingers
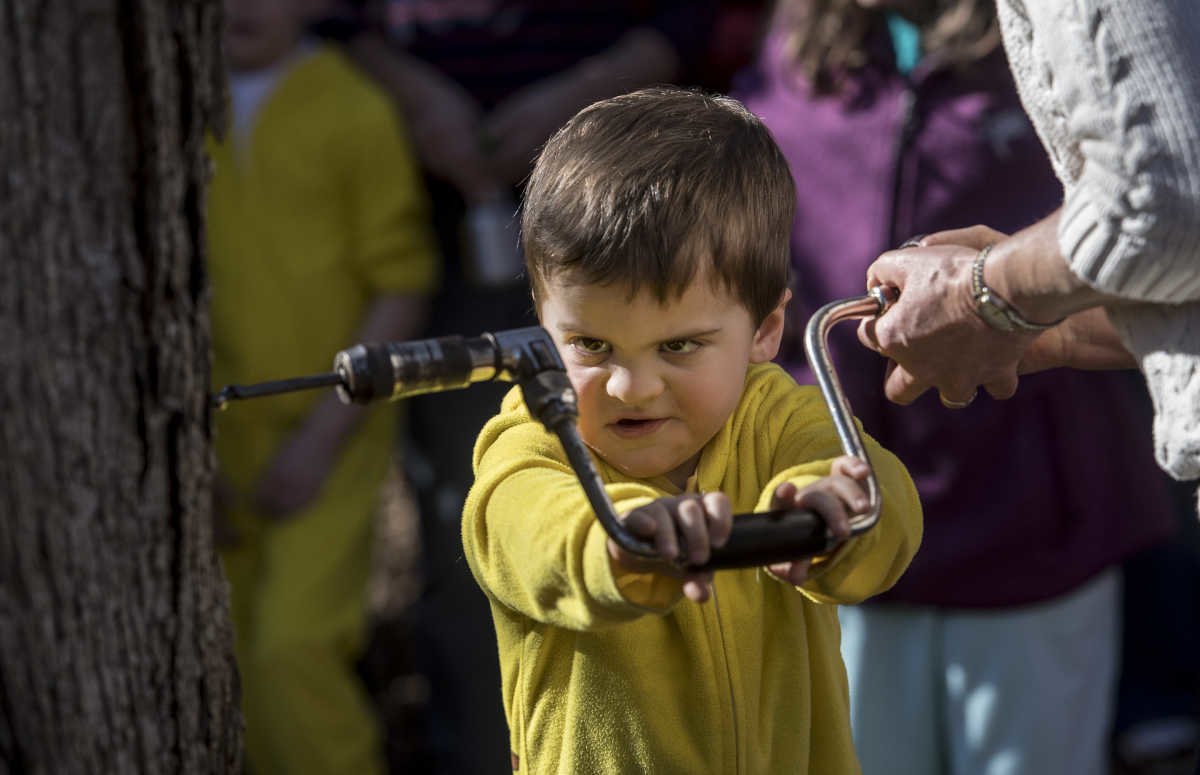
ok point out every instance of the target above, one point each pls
(867, 335)
(888, 269)
(901, 387)
(976, 237)
(1003, 388)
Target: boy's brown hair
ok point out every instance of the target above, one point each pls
(652, 188)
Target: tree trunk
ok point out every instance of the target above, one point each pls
(115, 641)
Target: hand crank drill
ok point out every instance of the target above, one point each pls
(528, 357)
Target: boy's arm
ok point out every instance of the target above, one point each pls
(869, 563)
(533, 542)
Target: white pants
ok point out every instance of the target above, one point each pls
(1012, 691)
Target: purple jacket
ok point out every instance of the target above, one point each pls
(1024, 499)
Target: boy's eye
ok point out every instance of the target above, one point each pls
(590, 346)
(680, 346)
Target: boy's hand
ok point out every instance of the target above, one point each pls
(702, 522)
(835, 498)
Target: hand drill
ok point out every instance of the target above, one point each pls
(528, 357)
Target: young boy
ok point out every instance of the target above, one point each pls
(656, 232)
(319, 236)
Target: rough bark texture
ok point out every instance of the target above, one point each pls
(115, 642)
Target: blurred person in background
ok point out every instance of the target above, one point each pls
(999, 650)
(319, 237)
(483, 83)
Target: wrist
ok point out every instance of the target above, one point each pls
(996, 308)
(1030, 272)
(1039, 296)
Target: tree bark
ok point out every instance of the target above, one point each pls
(115, 638)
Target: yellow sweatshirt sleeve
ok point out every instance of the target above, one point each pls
(870, 563)
(532, 540)
(801, 445)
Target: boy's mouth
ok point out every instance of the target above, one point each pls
(632, 427)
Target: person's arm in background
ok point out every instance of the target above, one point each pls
(662, 49)
(445, 122)
(450, 130)
(443, 119)
(299, 468)
(479, 153)
(392, 253)
(519, 125)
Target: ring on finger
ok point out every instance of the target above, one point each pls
(952, 404)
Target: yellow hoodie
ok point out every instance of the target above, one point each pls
(606, 672)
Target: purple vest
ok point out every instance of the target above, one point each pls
(1024, 499)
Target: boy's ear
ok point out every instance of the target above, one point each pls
(770, 332)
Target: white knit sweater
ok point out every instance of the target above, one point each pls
(1113, 87)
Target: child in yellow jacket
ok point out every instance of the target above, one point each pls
(319, 235)
(655, 230)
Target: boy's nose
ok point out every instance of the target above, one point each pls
(633, 386)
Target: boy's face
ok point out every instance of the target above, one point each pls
(655, 382)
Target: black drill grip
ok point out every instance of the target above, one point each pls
(767, 537)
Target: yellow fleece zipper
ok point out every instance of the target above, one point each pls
(692, 486)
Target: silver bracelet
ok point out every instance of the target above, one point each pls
(995, 310)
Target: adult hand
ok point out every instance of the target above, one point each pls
(932, 332)
(1085, 340)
